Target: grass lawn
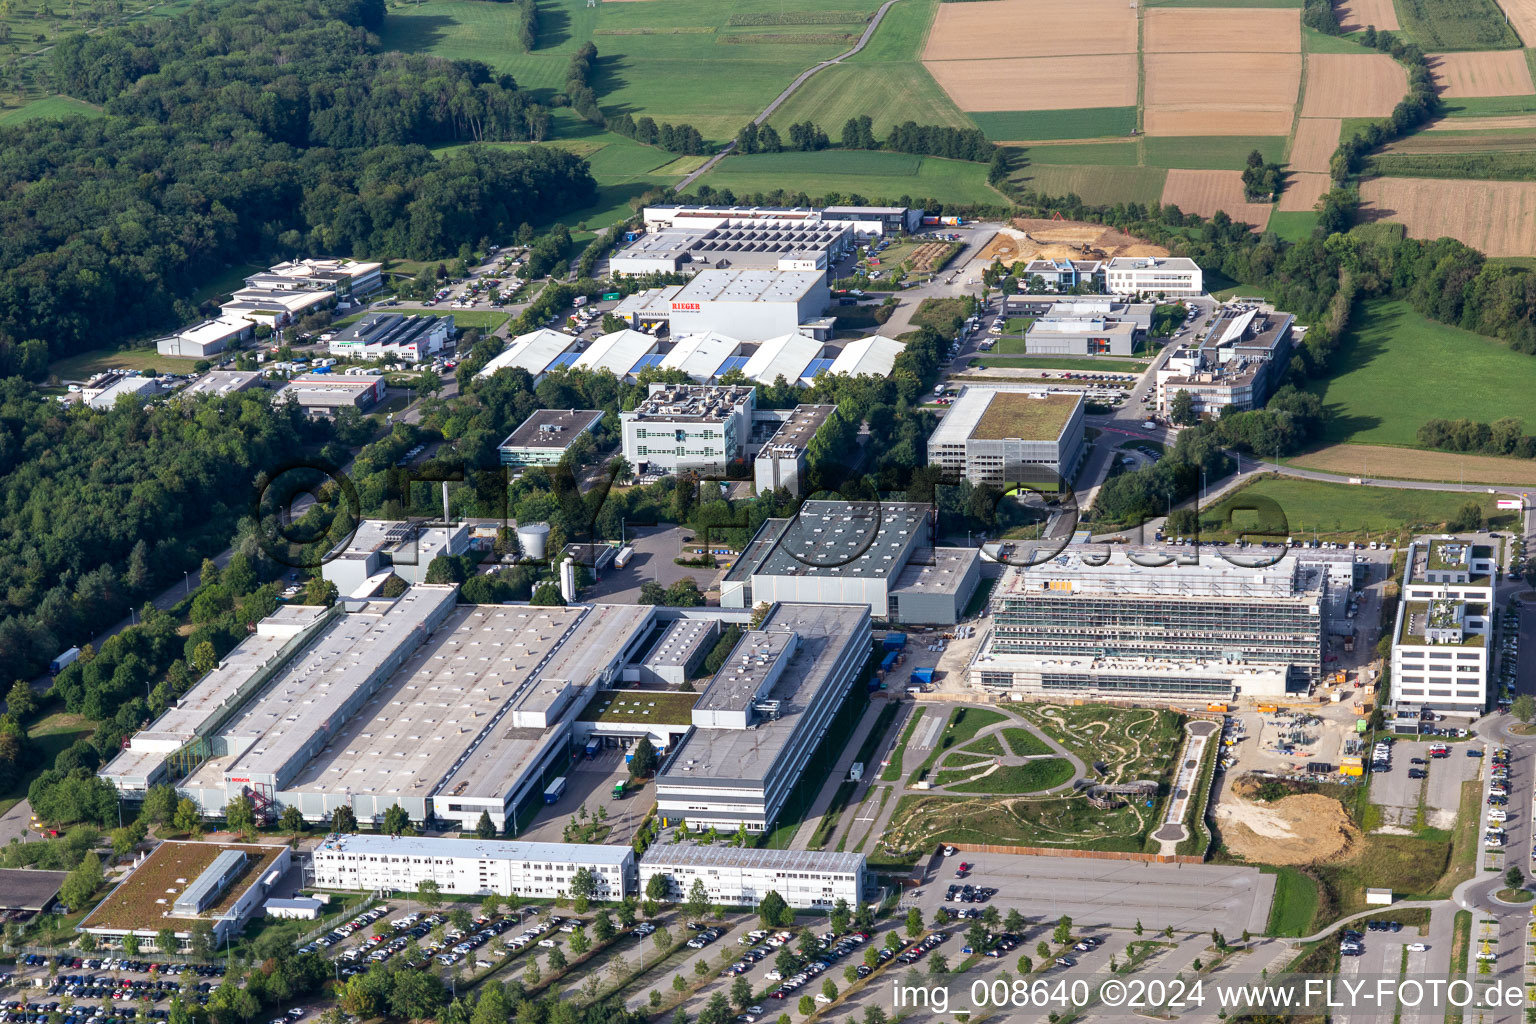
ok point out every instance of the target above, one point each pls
(889, 93)
(50, 106)
(892, 772)
(81, 366)
(1411, 866)
(1294, 905)
(1215, 152)
(1396, 369)
(1030, 125)
(1337, 511)
(1313, 41)
(1010, 780)
(988, 746)
(874, 175)
(1488, 106)
(1092, 183)
(964, 723)
(1024, 743)
(49, 735)
(1293, 227)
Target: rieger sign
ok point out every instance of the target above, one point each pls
(685, 307)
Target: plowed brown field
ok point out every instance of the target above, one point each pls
(1222, 30)
(1389, 463)
(1221, 93)
(1522, 16)
(1355, 15)
(1038, 83)
(1498, 217)
(1302, 192)
(1503, 123)
(1316, 140)
(1496, 73)
(1351, 85)
(1031, 28)
(1205, 192)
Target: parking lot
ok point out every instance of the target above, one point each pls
(1399, 796)
(655, 548)
(1114, 894)
(589, 785)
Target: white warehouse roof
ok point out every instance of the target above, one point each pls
(617, 352)
(533, 352)
(700, 355)
(874, 356)
(787, 355)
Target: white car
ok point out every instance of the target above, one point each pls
(548, 943)
(1417, 947)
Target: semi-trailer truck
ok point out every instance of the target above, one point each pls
(63, 661)
(555, 791)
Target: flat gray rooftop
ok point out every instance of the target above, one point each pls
(552, 428)
(942, 574)
(479, 849)
(795, 433)
(689, 855)
(691, 403)
(865, 539)
(750, 662)
(824, 631)
(681, 642)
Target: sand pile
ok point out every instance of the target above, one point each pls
(1302, 829)
(1029, 239)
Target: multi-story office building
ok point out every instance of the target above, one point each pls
(543, 437)
(763, 715)
(1236, 364)
(471, 867)
(1010, 435)
(781, 462)
(1096, 625)
(1440, 639)
(703, 428)
(1168, 276)
(737, 877)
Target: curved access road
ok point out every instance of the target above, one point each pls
(789, 91)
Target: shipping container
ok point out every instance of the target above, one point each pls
(895, 641)
(1268, 709)
(922, 675)
(888, 662)
(621, 559)
(1216, 707)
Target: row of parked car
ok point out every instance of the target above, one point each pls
(25, 1013)
(831, 951)
(65, 962)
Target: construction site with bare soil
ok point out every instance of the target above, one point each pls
(1041, 239)
(1305, 828)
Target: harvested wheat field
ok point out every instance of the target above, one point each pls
(1498, 217)
(1038, 83)
(1302, 191)
(1315, 142)
(1495, 73)
(1222, 30)
(1205, 192)
(1385, 462)
(1356, 15)
(1221, 94)
(1501, 123)
(1353, 85)
(1030, 239)
(1522, 17)
(1302, 829)
(1031, 28)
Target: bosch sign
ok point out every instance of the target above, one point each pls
(685, 307)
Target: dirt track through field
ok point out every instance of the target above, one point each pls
(1316, 140)
(1030, 28)
(1205, 192)
(1221, 93)
(1499, 73)
(1038, 83)
(1353, 85)
(1356, 15)
(1385, 462)
(1302, 192)
(1498, 217)
(1222, 30)
(1522, 17)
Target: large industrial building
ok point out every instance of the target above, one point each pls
(782, 461)
(1081, 332)
(763, 715)
(1098, 624)
(411, 339)
(379, 547)
(1440, 640)
(537, 352)
(446, 711)
(282, 294)
(750, 305)
(740, 877)
(794, 357)
(741, 243)
(471, 867)
(327, 394)
(1165, 276)
(207, 338)
(621, 353)
(874, 356)
(688, 427)
(1236, 364)
(866, 220)
(541, 439)
(705, 356)
(1005, 435)
(877, 554)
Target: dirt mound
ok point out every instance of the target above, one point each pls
(1032, 239)
(1301, 829)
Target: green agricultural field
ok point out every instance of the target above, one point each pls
(1293, 227)
(50, 106)
(1456, 25)
(1102, 154)
(1500, 165)
(1094, 184)
(872, 175)
(901, 35)
(888, 93)
(1489, 106)
(1292, 507)
(1211, 153)
(1313, 41)
(674, 60)
(1027, 125)
(1395, 369)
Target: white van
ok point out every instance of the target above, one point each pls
(1497, 814)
